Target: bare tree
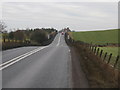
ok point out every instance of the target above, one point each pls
(2, 30)
(2, 26)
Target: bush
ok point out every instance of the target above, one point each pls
(39, 36)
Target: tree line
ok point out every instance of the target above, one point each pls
(37, 35)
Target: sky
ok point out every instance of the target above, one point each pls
(78, 16)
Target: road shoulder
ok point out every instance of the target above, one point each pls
(78, 77)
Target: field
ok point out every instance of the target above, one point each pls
(113, 50)
(96, 37)
(101, 38)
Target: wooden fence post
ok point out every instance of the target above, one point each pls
(109, 58)
(69, 40)
(90, 45)
(105, 56)
(116, 61)
(92, 48)
(97, 51)
(101, 53)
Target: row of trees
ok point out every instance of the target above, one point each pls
(29, 35)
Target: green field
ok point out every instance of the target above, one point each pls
(101, 38)
(97, 37)
(113, 50)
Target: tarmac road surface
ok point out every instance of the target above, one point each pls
(37, 67)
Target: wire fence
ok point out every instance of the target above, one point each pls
(109, 58)
(106, 57)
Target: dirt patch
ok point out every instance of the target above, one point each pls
(98, 73)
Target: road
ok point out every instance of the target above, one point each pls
(42, 67)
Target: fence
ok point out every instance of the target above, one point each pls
(107, 58)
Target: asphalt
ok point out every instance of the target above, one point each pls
(47, 68)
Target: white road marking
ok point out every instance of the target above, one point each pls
(58, 40)
(13, 61)
(70, 70)
(16, 58)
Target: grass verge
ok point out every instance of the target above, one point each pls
(99, 74)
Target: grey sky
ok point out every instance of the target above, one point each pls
(76, 15)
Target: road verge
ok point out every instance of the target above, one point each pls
(98, 74)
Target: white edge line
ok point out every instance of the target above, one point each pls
(70, 62)
(34, 51)
(17, 57)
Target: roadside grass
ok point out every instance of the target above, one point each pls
(96, 37)
(115, 52)
(101, 38)
(99, 74)
(0, 38)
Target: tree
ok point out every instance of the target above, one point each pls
(2, 28)
(11, 35)
(19, 35)
(39, 36)
(5, 36)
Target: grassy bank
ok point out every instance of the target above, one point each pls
(106, 37)
(99, 74)
(96, 37)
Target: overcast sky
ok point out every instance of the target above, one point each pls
(76, 15)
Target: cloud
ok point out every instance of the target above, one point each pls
(76, 15)
(0, 10)
(60, 1)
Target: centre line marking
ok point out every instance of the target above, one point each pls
(14, 60)
(58, 40)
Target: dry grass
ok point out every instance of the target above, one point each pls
(99, 74)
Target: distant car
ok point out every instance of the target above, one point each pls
(62, 33)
